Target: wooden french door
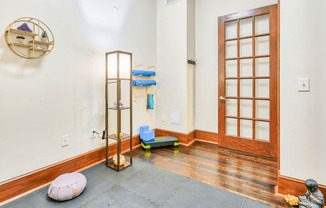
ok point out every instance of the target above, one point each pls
(248, 81)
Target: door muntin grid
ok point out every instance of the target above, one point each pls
(247, 78)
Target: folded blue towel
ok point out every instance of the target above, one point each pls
(145, 73)
(137, 82)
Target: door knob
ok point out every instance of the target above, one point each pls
(222, 98)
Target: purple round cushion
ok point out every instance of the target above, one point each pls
(67, 186)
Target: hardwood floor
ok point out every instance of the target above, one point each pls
(246, 174)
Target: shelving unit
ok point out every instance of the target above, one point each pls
(34, 45)
(145, 75)
(118, 118)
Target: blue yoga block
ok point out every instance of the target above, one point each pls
(142, 129)
(148, 135)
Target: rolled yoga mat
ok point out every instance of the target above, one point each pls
(144, 73)
(143, 82)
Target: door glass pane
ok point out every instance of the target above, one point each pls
(262, 131)
(262, 67)
(246, 88)
(262, 88)
(246, 47)
(231, 127)
(262, 24)
(262, 45)
(231, 68)
(231, 30)
(246, 129)
(231, 88)
(246, 27)
(231, 107)
(231, 49)
(246, 68)
(262, 109)
(246, 108)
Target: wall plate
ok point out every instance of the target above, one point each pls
(303, 85)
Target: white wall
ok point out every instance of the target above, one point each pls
(63, 93)
(206, 90)
(172, 64)
(303, 114)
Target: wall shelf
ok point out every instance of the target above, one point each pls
(19, 45)
(29, 38)
(124, 137)
(121, 108)
(39, 50)
(142, 78)
(20, 32)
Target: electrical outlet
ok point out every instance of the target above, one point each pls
(65, 140)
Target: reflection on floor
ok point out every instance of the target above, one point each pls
(235, 171)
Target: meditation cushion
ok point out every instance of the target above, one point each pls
(67, 186)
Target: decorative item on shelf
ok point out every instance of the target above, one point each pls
(116, 135)
(122, 160)
(313, 197)
(44, 37)
(24, 27)
(33, 31)
(291, 200)
(120, 105)
(20, 39)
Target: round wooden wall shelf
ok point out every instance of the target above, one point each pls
(29, 38)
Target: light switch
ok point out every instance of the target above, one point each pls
(303, 85)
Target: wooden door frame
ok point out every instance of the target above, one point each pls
(274, 77)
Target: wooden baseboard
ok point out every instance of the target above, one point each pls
(191, 137)
(20, 185)
(206, 136)
(183, 138)
(293, 186)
